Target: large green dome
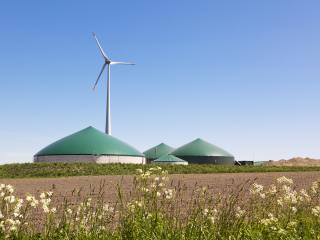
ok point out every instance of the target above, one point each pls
(200, 147)
(158, 151)
(89, 141)
(202, 152)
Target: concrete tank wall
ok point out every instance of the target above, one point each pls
(90, 158)
(219, 160)
(171, 163)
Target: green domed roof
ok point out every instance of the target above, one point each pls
(168, 158)
(158, 151)
(200, 147)
(89, 141)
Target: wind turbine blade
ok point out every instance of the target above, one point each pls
(95, 84)
(104, 55)
(122, 63)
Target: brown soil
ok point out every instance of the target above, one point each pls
(297, 161)
(220, 182)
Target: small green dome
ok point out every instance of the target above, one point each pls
(168, 159)
(200, 147)
(89, 141)
(158, 151)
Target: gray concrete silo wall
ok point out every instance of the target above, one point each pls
(219, 160)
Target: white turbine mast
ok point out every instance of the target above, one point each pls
(107, 62)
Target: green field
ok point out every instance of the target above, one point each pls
(27, 170)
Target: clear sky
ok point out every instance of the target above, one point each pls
(243, 75)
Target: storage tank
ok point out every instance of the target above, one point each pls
(202, 152)
(90, 145)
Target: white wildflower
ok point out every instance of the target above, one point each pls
(214, 211)
(270, 220)
(256, 189)
(314, 187)
(9, 188)
(316, 211)
(111, 209)
(286, 189)
(285, 180)
(164, 178)
(53, 210)
(10, 199)
(168, 193)
(280, 202)
(45, 201)
(205, 211)
(282, 231)
(273, 189)
(131, 207)
(262, 195)
(304, 196)
(265, 221)
(13, 228)
(145, 175)
(88, 203)
(107, 208)
(292, 224)
(294, 209)
(69, 211)
(212, 219)
(165, 172)
(239, 212)
(291, 197)
(274, 228)
(144, 189)
(32, 200)
(45, 209)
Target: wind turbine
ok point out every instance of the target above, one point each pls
(107, 62)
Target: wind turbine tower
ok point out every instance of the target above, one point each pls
(107, 62)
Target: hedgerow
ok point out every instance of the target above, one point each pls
(28, 170)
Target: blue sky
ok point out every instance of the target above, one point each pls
(243, 75)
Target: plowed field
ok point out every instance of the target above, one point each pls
(220, 182)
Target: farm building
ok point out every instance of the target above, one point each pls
(170, 159)
(90, 145)
(157, 151)
(202, 152)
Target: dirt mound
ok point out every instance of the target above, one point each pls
(297, 161)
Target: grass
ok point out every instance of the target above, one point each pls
(34, 170)
(155, 210)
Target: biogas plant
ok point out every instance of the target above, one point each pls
(92, 145)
